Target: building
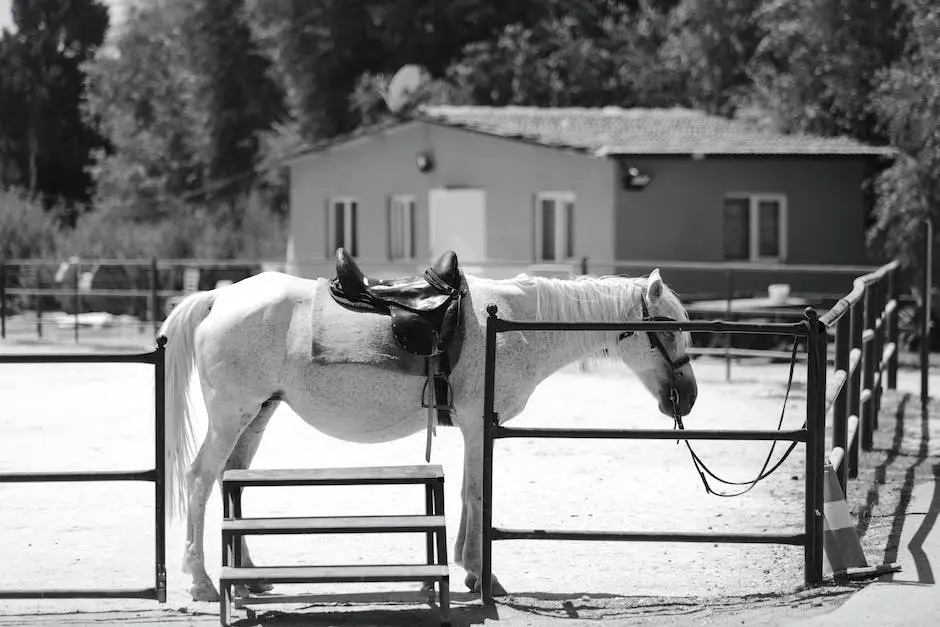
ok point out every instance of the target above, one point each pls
(548, 187)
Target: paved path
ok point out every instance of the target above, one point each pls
(910, 597)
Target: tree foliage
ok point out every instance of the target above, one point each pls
(237, 90)
(710, 45)
(142, 94)
(45, 142)
(817, 66)
(908, 101)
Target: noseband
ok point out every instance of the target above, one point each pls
(657, 343)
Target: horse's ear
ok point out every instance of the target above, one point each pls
(654, 286)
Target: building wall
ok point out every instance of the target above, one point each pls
(512, 173)
(824, 204)
(678, 216)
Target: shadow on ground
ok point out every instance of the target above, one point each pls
(905, 453)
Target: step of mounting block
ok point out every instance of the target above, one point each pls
(332, 524)
(333, 574)
(380, 475)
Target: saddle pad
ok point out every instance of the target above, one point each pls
(342, 336)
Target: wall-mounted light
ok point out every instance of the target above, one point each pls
(424, 161)
(635, 179)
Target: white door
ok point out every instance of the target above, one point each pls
(458, 223)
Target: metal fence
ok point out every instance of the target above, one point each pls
(866, 348)
(156, 475)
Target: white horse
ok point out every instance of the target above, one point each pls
(251, 344)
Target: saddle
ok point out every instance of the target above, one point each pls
(425, 311)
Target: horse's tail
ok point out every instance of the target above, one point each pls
(180, 330)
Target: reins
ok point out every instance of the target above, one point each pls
(700, 467)
(764, 472)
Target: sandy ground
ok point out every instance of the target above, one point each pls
(68, 417)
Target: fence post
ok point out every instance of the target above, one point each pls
(154, 296)
(868, 372)
(925, 311)
(815, 445)
(840, 414)
(856, 314)
(584, 265)
(3, 298)
(729, 297)
(159, 432)
(38, 306)
(490, 423)
(878, 324)
(894, 294)
(76, 298)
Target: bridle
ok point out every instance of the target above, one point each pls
(676, 364)
(657, 344)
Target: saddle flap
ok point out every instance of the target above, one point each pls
(414, 332)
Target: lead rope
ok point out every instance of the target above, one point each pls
(763, 473)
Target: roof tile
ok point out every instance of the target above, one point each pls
(617, 131)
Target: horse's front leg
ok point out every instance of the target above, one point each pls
(468, 551)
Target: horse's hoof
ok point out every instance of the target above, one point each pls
(204, 591)
(473, 584)
(258, 587)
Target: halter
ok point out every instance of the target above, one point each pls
(657, 343)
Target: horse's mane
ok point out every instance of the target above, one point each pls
(589, 299)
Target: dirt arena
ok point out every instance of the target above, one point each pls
(72, 417)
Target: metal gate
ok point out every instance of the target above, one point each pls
(156, 475)
(866, 346)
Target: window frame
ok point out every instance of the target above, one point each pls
(564, 239)
(754, 199)
(349, 224)
(409, 246)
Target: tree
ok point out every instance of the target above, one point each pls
(321, 48)
(710, 44)
(571, 59)
(142, 98)
(45, 137)
(907, 102)
(816, 64)
(237, 89)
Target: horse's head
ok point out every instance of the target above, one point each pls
(659, 358)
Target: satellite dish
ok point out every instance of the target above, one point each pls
(402, 86)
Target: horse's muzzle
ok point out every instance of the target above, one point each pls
(686, 391)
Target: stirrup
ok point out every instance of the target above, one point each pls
(443, 393)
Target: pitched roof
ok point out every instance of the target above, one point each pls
(616, 131)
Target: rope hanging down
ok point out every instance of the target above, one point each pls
(703, 470)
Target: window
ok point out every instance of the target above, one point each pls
(755, 227)
(401, 227)
(554, 226)
(342, 227)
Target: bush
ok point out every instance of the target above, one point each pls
(26, 229)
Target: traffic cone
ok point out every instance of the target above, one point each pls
(840, 540)
(844, 555)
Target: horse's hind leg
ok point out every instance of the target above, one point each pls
(227, 421)
(241, 457)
